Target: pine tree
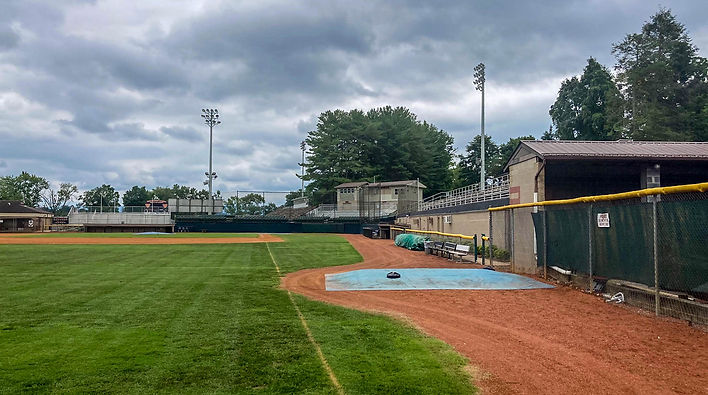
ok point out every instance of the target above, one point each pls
(589, 107)
(664, 82)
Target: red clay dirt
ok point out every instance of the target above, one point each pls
(551, 341)
(13, 239)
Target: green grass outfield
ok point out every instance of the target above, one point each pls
(199, 319)
(129, 235)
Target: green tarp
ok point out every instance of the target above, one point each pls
(412, 242)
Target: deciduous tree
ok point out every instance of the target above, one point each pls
(387, 143)
(103, 198)
(55, 201)
(250, 204)
(25, 187)
(470, 165)
(136, 196)
(589, 107)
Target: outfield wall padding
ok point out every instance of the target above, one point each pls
(267, 227)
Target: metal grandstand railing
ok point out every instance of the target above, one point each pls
(119, 218)
(496, 188)
(332, 211)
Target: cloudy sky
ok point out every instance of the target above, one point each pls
(96, 92)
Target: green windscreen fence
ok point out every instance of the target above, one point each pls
(624, 250)
(568, 242)
(616, 240)
(265, 226)
(683, 246)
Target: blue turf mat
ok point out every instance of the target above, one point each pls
(375, 279)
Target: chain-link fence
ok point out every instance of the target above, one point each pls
(653, 249)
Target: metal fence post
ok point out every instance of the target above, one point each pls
(491, 262)
(657, 296)
(475, 248)
(511, 247)
(590, 247)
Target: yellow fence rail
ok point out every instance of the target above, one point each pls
(701, 187)
(432, 232)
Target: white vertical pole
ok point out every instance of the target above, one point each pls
(211, 208)
(483, 170)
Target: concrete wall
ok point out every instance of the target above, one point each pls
(348, 201)
(522, 178)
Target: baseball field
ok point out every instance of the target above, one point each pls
(223, 313)
(186, 317)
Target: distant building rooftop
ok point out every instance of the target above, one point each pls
(16, 207)
(610, 150)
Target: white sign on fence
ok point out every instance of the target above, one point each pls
(603, 220)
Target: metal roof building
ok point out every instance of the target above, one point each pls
(568, 169)
(16, 217)
(610, 150)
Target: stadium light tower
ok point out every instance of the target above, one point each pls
(302, 178)
(479, 83)
(211, 118)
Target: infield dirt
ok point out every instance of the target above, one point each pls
(551, 341)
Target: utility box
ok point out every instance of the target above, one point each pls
(651, 178)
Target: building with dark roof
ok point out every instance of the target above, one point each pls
(551, 170)
(568, 169)
(16, 217)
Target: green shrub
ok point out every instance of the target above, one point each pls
(498, 253)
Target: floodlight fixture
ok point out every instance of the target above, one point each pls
(302, 178)
(479, 85)
(211, 118)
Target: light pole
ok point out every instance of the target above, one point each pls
(211, 118)
(302, 178)
(479, 82)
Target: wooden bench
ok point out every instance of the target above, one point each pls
(460, 251)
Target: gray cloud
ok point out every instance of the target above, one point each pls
(109, 92)
(182, 133)
(8, 38)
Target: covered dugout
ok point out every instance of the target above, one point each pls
(16, 217)
(552, 170)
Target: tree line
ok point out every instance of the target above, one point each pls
(659, 90)
(36, 191)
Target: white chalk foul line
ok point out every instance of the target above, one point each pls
(327, 368)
